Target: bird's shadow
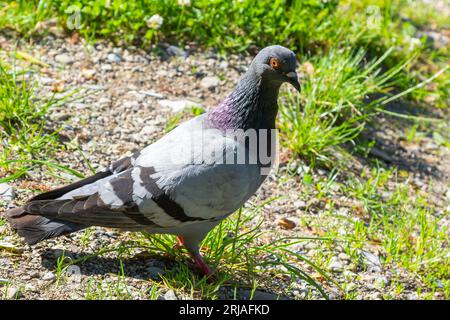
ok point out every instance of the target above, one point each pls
(143, 266)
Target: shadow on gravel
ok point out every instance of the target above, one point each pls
(391, 147)
(141, 267)
(144, 267)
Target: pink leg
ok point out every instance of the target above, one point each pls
(199, 263)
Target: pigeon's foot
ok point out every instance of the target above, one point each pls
(199, 263)
(202, 266)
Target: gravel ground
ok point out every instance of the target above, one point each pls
(129, 96)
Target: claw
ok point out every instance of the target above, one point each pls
(203, 267)
(199, 263)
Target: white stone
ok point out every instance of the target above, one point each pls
(152, 94)
(6, 246)
(380, 282)
(31, 288)
(49, 276)
(12, 293)
(106, 67)
(6, 192)
(148, 130)
(104, 100)
(336, 265)
(300, 204)
(371, 261)
(170, 295)
(64, 58)
(223, 65)
(131, 104)
(343, 256)
(210, 82)
(88, 73)
(46, 80)
(113, 57)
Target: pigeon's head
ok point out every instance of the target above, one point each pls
(276, 64)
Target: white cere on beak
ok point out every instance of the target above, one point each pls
(292, 75)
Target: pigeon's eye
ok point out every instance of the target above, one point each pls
(275, 63)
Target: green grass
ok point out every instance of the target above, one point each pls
(28, 140)
(203, 21)
(307, 27)
(357, 48)
(404, 228)
(361, 55)
(234, 249)
(332, 108)
(386, 216)
(2, 223)
(23, 122)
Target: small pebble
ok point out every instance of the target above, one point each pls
(300, 204)
(170, 295)
(64, 58)
(210, 82)
(88, 73)
(106, 67)
(49, 276)
(6, 246)
(380, 282)
(6, 192)
(12, 293)
(113, 57)
(376, 296)
(336, 265)
(286, 224)
(343, 256)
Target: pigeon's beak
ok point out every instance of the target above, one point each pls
(293, 79)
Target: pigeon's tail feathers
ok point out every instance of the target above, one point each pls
(35, 228)
(35, 223)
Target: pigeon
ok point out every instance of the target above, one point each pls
(186, 182)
